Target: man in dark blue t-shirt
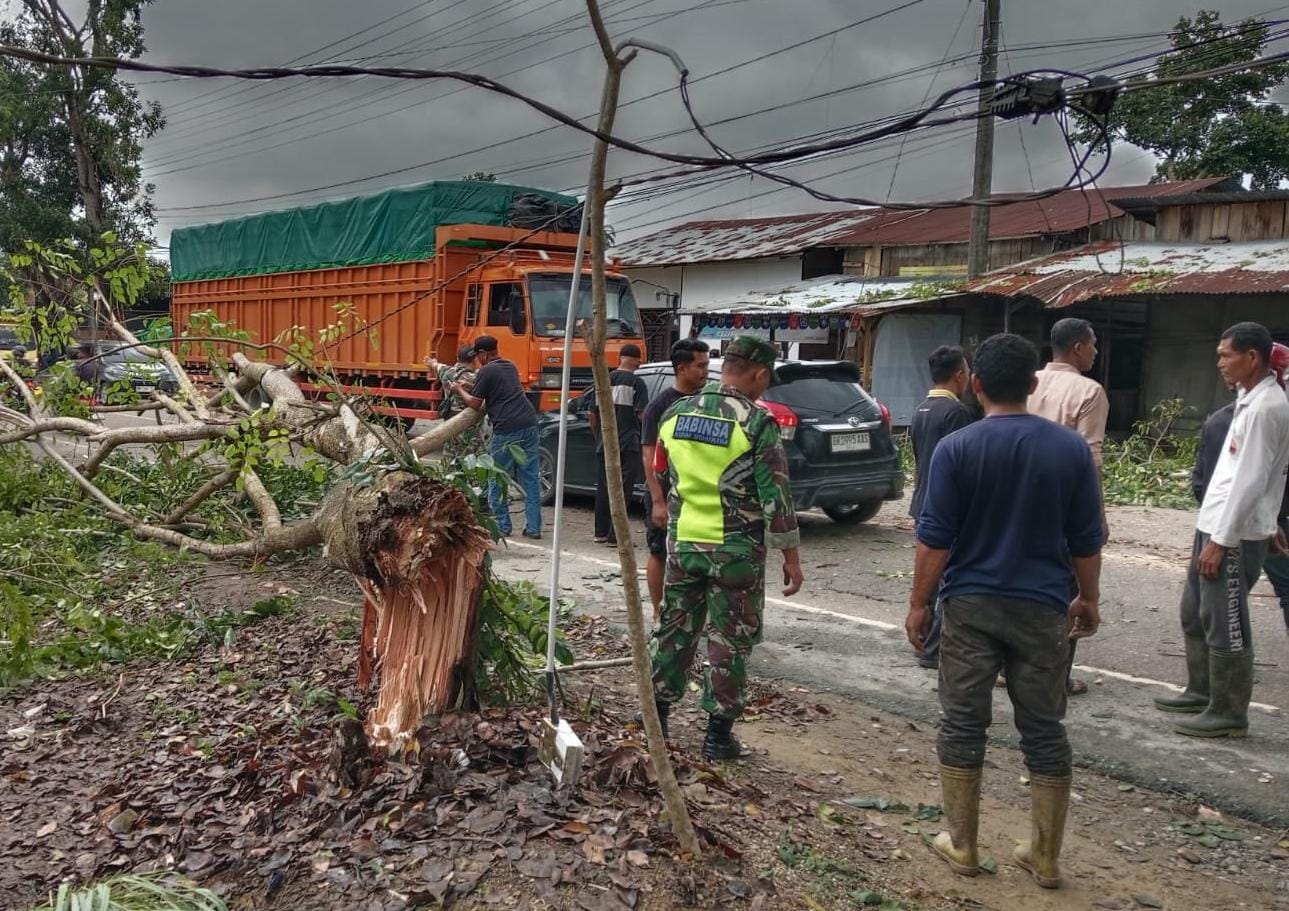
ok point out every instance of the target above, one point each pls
(1011, 519)
(498, 391)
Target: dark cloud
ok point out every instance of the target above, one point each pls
(233, 141)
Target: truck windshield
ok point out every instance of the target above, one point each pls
(549, 296)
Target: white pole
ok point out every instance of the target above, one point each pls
(561, 456)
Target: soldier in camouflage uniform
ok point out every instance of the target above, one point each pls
(729, 502)
(475, 440)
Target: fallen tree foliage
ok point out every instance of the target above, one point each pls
(415, 536)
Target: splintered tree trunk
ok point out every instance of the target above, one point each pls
(417, 552)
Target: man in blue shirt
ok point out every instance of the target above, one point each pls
(1011, 519)
(498, 392)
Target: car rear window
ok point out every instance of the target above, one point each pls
(833, 390)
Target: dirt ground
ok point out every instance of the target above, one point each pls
(223, 765)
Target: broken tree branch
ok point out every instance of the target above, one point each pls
(597, 198)
(186, 385)
(201, 495)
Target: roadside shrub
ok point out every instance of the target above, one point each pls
(1152, 467)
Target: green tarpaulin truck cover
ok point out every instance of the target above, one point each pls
(393, 226)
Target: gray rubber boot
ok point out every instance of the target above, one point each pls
(1049, 802)
(1227, 714)
(1193, 699)
(960, 789)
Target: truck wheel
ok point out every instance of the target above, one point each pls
(853, 513)
(546, 475)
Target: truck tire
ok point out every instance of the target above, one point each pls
(853, 513)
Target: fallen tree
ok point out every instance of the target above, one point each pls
(411, 535)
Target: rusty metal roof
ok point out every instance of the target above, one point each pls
(1107, 270)
(1063, 213)
(751, 238)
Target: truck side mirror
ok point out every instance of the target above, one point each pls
(518, 318)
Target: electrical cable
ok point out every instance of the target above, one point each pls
(581, 152)
(753, 165)
(188, 104)
(239, 112)
(328, 113)
(184, 157)
(714, 74)
(488, 147)
(966, 8)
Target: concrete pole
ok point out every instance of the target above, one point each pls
(983, 180)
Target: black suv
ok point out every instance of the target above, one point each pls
(841, 455)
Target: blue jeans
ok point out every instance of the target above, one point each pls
(498, 448)
(1277, 570)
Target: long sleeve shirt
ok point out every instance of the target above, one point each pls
(1244, 494)
(1068, 397)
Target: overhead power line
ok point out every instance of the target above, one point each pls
(752, 61)
(237, 113)
(759, 164)
(328, 113)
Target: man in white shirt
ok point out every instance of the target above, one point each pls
(1236, 524)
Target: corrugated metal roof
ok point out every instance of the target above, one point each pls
(1203, 199)
(830, 294)
(1107, 270)
(752, 238)
(1071, 210)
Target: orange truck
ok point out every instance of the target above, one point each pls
(424, 269)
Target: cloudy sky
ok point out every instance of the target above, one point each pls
(232, 148)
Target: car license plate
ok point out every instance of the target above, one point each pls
(851, 442)
(144, 390)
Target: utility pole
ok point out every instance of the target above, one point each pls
(983, 181)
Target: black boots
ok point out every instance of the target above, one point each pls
(664, 710)
(1231, 683)
(721, 742)
(1194, 699)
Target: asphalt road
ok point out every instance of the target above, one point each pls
(844, 633)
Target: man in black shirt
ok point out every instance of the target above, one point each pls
(940, 414)
(629, 399)
(689, 359)
(499, 393)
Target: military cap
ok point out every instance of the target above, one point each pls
(756, 350)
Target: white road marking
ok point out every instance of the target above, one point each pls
(883, 625)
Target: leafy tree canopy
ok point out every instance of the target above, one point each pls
(1223, 126)
(71, 138)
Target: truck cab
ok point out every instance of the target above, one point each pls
(525, 309)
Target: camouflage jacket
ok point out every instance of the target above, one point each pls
(728, 473)
(475, 440)
(452, 402)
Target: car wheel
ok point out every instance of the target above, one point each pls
(853, 513)
(546, 475)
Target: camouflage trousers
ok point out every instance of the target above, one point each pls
(720, 593)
